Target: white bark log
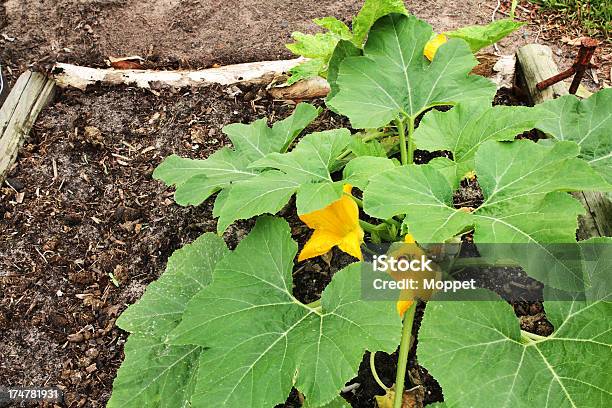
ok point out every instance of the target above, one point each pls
(80, 77)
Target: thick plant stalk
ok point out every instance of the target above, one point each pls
(402, 359)
(402, 137)
(409, 141)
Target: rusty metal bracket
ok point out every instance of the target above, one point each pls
(583, 61)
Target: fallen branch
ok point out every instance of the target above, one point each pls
(306, 89)
(80, 77)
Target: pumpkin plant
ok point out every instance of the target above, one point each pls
(223, 328)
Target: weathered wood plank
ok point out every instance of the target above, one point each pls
(535, 63)
(31, 93)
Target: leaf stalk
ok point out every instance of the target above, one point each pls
(374, 373)
(402, 360)
(409, 141)
(401, 129)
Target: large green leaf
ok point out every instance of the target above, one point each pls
(154, 373)
(587, 122)
(479, 342)
(522, 183)
(305, 170)
(480, 36)
(465, 127)
(262, 341)
(196, 180)
(393, 79)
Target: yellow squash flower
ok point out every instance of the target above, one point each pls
(432, 46)
(336, 224)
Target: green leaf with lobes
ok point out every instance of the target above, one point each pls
(262, 341)
(554, 371)
(305, 171)
(334, 26)
(371, 148)
(587, 122)
(320, 45)
(463, 129)
(188, 271)
(154, 373)
(523, 184)
(196, 180)
(480, 36)
(393, 80)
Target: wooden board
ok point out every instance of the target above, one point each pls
(535, 63)
(31, 93)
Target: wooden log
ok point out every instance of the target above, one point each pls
(306, 89)
(535, 63)
(31, 93)
(80, 77)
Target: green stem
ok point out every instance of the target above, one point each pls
(409, 140)
(402, 360)
(393, 222)
(366, 226)
(402, 141)
(374, 373)
(375, 135)
(513, 8)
